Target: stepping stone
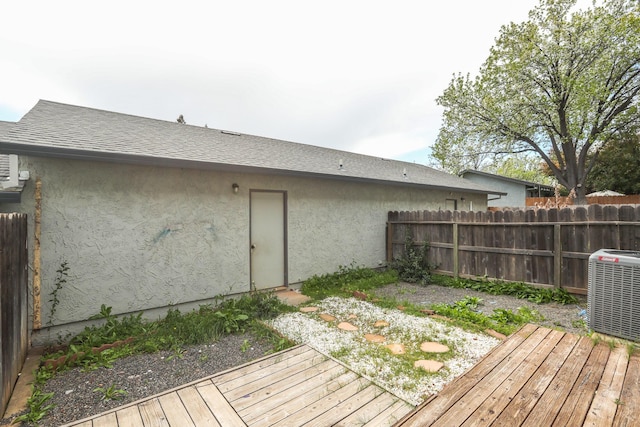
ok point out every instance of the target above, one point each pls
(346, 326)
(374, 338)
(428, 365)
(327, 317)
(360, 295)
(433, 347)
(496, 334)
(308, 309)
(396, 348)
(352, 316)
(380, 324)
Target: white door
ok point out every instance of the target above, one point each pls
(268, 239)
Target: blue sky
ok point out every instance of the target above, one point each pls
(356, 75)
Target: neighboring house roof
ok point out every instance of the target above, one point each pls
(53, 129)
(604, 193)
(507, 179)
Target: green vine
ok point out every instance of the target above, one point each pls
(61, 278)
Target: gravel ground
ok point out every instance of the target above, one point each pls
(556, 316)
(145, 375)
(399, 330)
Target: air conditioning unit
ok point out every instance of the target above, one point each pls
(614, 293)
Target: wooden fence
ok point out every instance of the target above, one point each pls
(545, 247)
(13, 301)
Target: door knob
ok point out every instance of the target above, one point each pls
(253, 246)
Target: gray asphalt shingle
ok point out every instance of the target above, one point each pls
(60, 130)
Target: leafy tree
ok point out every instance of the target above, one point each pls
(527, 168)
(618, 167)
(561, 85)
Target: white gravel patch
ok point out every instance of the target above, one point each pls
(392, 372)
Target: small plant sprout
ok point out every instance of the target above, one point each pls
(36, 407)
(246, 345)
(110, 393)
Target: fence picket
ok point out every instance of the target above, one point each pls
(13, 301)
(544, 247)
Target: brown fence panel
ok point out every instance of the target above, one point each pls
(13, 301)
(547, 247)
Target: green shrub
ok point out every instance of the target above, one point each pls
(413, 266)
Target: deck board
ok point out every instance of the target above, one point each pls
(542, 378)
(629, 408)
(129, 416)
(537, 377)
(197, 407)
(523, 403)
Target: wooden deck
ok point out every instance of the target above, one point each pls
(540, 377)
(292, 388)
(537, 377)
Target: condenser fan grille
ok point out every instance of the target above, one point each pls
(614, 293)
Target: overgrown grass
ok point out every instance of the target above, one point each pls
(516, 289)
(177, 330)
(347, 280)
(504, 321)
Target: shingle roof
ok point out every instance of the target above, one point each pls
(53, 129)
(505, 178)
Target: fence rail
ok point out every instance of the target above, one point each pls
(544, 247)
(13, 301)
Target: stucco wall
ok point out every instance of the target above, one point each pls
(144, 238)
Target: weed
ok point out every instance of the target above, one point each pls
(43, 374)
(579, 324)
(245, 346)
(36, 406)
(110, 393)
(347, 280)
(413, 266)
(61, 278)
(515, 289)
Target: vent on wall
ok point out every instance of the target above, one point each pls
(614, 293)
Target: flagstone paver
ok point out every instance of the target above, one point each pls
(374, 338)
(428, 365)
(433, 347)
(396, 348)
(327, 317)
(346, 326)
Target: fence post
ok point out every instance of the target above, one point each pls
(390, 242)
(456, 270)
(557, 256)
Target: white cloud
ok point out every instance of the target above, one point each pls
(358, 75)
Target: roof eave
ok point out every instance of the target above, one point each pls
(145, 160)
